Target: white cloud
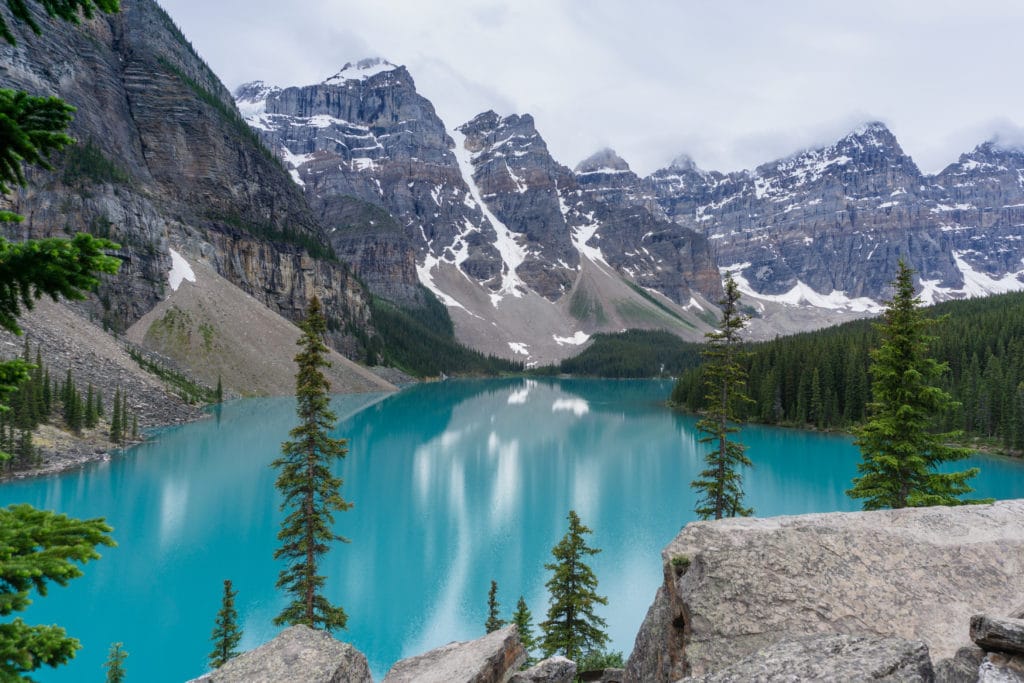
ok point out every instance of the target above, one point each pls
(733, 84)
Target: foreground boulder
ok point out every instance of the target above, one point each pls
(993, 634)
(831, 658)
(555, 669)
(735, 586)
(491, 659)
(298, 654)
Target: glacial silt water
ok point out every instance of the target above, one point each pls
(454, 484)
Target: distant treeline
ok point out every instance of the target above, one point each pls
(821, 378)
(632, 354)
(421, 342)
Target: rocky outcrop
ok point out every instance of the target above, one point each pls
(740, 585)
(999, 667)
(298, 654)
(165, 159)
(994, 634)
(491, 659)
(837, 218)
(555, 669)
(831, 657)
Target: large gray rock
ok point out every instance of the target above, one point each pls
(297, 655)
(555, 669)
(1001, 668)
(831, 657)
(993, 634)
(491, 659)
(917, 574)
(961, 668)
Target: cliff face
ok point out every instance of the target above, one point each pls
(735, 586)
(836, 220)
(165, 159)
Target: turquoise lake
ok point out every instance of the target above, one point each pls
(454, 484)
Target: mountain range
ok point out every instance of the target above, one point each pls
(354, 189)
(525, 251)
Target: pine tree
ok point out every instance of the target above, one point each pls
(226, 633)
(99, 403)
(115, 663)
(900, 450)
(312, 494)
(219, 393)
(90, 418)
(721, 484)
(135, 426)
(47, 395)
(40, 547)
(572, 629)
(523, 620)
(116, 425)
(494, 622)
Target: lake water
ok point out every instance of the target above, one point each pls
(454, 484)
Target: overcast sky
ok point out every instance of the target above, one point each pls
(731, 83)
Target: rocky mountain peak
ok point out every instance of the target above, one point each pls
(251, 98)
(362, 70)
(602, 161)
(683, 162)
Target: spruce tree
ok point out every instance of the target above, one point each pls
(115, 663)
(899, 445)
(311, 493)
(721, 484)
(572, 629)
(226, 633)
(116, 425)
(99, 403)
(135, 426)
(494, 622)
(219, 393)
(40, 547)
(523, 620)
(89, 417)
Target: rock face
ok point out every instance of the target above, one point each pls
(491, 659)
(834, 221)
(519, 247)
(833, 658)
(916, 574)
(297, 655)
(994, 634)
(555, 669)
(165, 160)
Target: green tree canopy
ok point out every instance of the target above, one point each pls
(494, 622)
(572, 629)
(898, 443)
(721, 483)
(312, 494)
(523, 619)
(226, 632)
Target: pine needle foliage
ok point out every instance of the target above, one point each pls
(226, 632)
(572, 629)
(311, 492)
(115, 663)
(720, 486)
(523, 619)
(38, 548)
(899, 445)
(494, 622)
(68, 10)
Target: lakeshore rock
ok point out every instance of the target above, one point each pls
(993, 634)
(916, 574)
(297, 655)
(831, 657)
(1001, 668)
(555, 669)
(491, 659)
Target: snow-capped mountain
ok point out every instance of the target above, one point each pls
(825, 227)
(529, 257)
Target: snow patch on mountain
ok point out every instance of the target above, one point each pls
(180, 270)
(512, 253)
(803, 295)
(360, 71)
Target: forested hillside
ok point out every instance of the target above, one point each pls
(821, 378)
(631, 354)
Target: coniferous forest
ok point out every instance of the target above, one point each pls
(820, 379)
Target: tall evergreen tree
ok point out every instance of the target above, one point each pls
(115, 663)
(116, 421)
(523, 619)
(721, 484)
(899, 446)
(494, 622)
(226, 633)
(572, 629)
(89, 418)
(311, 493)
(37, 548)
